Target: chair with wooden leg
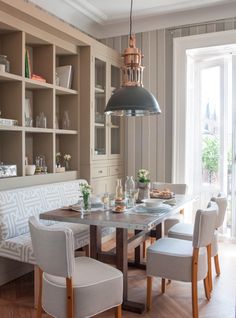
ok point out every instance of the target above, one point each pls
(176, 188)
(184, 231)
(72, 287)
(182, 260)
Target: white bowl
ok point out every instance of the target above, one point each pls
(152, 203)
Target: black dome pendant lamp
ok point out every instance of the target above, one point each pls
(132, 99)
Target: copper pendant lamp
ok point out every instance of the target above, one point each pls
(132, 99)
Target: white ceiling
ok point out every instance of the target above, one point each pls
(104, 18)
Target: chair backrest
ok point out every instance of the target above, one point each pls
(178, 188)
(204, 226)
(222, 206)
(53, 248)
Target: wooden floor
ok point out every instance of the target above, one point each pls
(16, 298)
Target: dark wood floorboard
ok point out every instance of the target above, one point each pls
(16, 298)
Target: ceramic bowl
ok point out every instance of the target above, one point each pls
(152, 203)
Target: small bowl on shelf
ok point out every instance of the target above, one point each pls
(152, 203)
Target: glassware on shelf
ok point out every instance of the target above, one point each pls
(130, 192)
(66, 120)
(4, 64)
(41, 121)
(40, 163)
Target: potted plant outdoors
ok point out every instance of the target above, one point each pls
(143, 184)
(86, 191)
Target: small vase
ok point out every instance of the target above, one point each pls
(86, 201)
(144, 191)
(67, 165)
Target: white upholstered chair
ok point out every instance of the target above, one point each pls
(177, 188)
(72, 287)
(184, 231)
(182, 260)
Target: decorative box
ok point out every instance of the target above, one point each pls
(8, 122)
(8, 171)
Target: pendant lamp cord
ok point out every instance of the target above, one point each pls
(130, 19)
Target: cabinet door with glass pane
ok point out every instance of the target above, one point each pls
(115, 121)
(100, 131)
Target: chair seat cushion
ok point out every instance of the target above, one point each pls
(20, 248)
(172, 259)
(184, 231)
(102, 283)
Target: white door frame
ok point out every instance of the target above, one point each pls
(180, 46)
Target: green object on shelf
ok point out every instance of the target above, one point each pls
(27, 69)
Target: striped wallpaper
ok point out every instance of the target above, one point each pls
(149, 139)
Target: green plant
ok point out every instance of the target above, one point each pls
(210, 155)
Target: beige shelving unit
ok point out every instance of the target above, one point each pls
(52, 43)
(18, 142)
(103, 163)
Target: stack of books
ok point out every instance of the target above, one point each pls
(28, 68)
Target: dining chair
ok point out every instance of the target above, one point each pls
(72, 287)
(184, 231)
(182, 260)
(177, 188)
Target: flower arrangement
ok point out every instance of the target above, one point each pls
(86, 191)
(85, 188)
(67, 157)
(143, 176)
(58, 159)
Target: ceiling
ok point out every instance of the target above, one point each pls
(104, 18)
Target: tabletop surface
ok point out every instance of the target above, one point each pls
(134, 218)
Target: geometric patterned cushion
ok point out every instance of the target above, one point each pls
(20, 248)
(17, 205)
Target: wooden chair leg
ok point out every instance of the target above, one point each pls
(118, 312)
(149, 292)
(40, 287)
(69, 291)
(181, 211)
(217, 264)
(194, 283)
(209, 266)
(144, 249)
(163, 285)
(206, 287)
(153, 240)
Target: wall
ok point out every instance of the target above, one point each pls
(149, 139)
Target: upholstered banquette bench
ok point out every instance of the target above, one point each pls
(17, 205)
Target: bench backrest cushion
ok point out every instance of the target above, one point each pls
(17, 205)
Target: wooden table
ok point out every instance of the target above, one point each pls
(139, 222)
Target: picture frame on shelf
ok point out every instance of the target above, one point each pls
(28, 113)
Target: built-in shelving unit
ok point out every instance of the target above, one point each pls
(24, 140)
(73, 114)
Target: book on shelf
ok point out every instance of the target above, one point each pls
(64, 74)
(27, 64)
(38, 78)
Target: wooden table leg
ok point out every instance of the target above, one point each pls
(95, 241)
(122, 265)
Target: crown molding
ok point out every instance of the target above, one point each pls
(88, 10)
